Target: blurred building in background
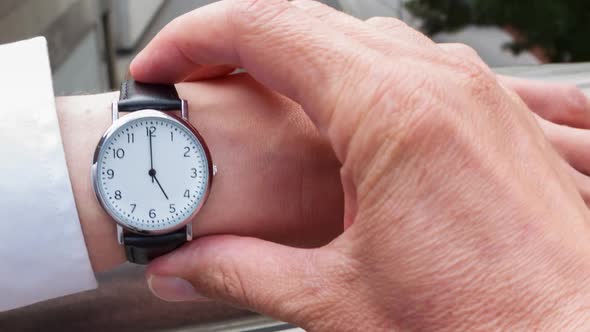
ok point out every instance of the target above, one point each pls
(77, 35)
(90, 42)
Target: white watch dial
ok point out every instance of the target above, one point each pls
(152, 173)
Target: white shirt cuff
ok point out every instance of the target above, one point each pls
(42, 249)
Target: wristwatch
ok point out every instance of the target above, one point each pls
(152, 171)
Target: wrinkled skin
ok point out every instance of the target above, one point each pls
(459, 214)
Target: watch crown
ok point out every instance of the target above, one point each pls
(214, 170)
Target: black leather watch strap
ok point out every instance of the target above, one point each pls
(137, 96)
(141, 249)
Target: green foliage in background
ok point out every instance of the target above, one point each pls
(560, 27)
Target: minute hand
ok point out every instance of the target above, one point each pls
(159, 185)
(151, 155)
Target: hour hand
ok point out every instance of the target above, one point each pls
(159, 185)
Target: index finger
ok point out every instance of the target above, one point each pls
(278, 44)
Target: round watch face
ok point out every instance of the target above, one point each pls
(152, 172)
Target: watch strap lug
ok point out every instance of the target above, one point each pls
(189, 232)
(115, 110)
(184, 109)
(120, 235)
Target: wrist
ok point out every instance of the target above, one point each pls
(82, 121)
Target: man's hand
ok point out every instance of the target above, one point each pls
(458, 214)
(261, 119)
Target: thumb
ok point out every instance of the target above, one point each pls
(272, 279)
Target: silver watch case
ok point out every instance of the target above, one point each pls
(117, 123)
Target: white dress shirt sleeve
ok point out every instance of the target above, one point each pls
(42, 249)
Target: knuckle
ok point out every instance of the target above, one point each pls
(472, 70)
(477, 78)
(465, 59)
(488, 94)
(475, 73)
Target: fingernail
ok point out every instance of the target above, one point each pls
(173, 289)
